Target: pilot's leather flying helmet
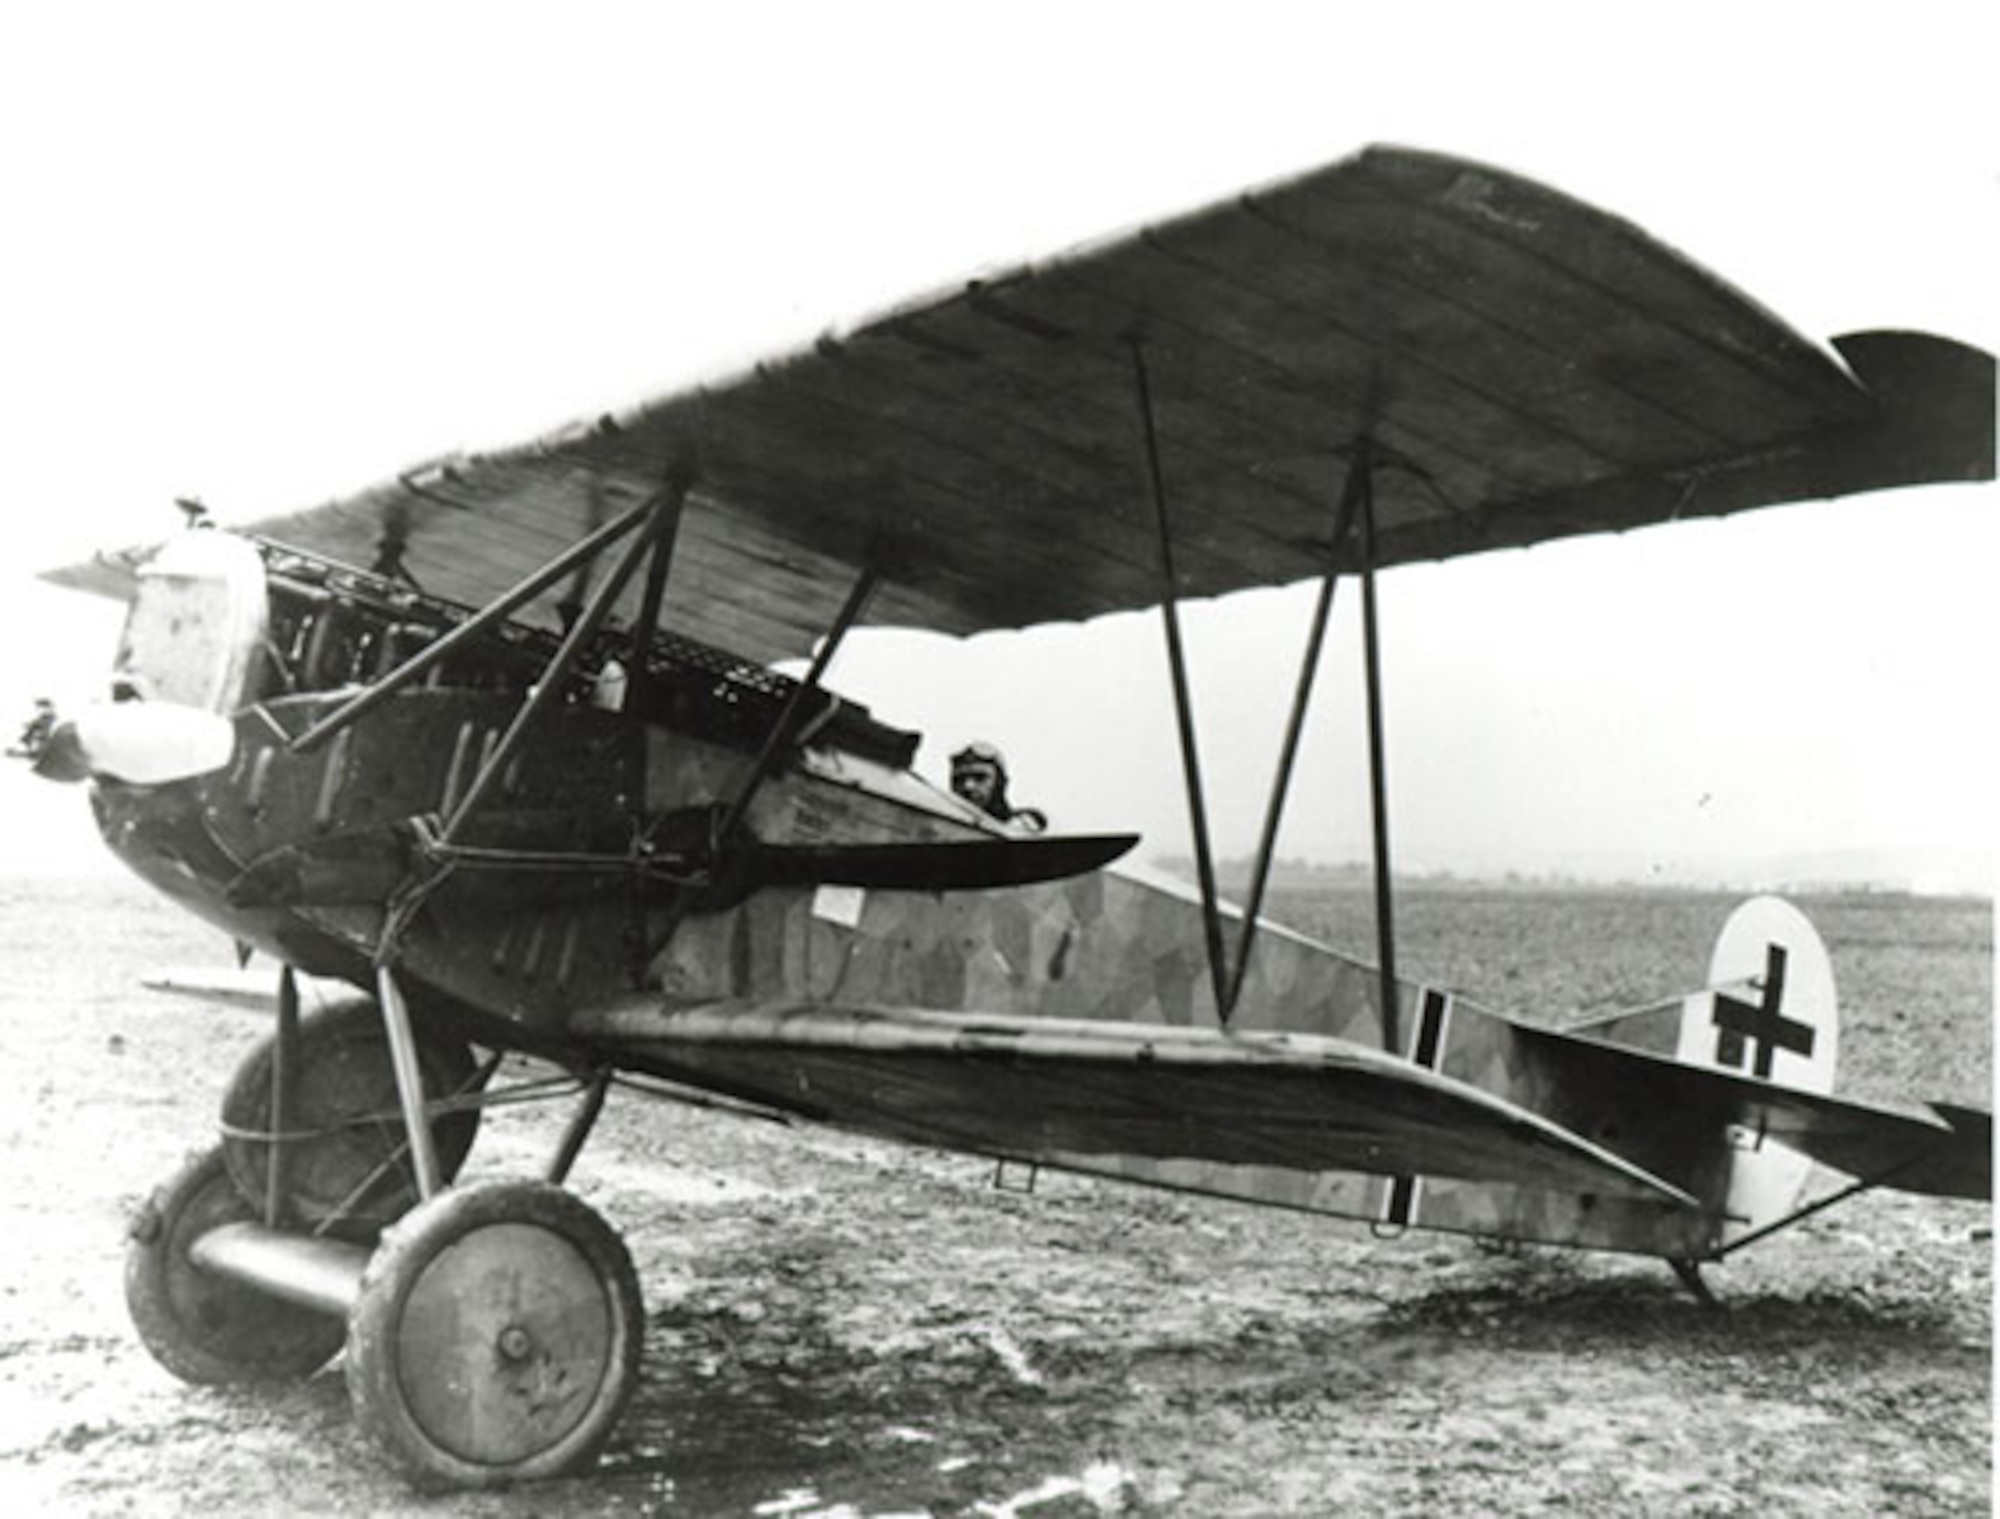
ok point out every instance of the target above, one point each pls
(979, 753)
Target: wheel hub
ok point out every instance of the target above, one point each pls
(531, 1294)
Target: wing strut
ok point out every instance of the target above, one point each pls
(1353, 491)
(639, 677)
(1357, 503)
(1211, 910)
(662, 516)
(783, 732)
(525, 591)
(1378, 780)
(787, 725)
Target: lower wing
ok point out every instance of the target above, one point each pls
(1039, 1088)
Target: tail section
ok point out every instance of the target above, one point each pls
(1769, 1013)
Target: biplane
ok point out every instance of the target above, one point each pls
(501, 747)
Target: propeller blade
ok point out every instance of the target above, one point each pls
(145, 743)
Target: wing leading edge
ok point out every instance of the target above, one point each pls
(1525, 366)
(1044, 1088)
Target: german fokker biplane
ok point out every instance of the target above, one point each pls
(529, 782)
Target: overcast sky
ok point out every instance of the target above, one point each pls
(265, 261)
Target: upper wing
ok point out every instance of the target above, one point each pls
(1050, 1088)
(1528, 368)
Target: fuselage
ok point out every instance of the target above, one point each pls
(311, 853)
(630, 764)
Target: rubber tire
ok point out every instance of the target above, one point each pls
(426, 1370)
(342, 1067)
(204, 1327)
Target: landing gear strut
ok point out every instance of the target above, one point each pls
(493, 1334)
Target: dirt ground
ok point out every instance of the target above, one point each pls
(843, 1328)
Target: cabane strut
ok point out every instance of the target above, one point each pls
(657, 520)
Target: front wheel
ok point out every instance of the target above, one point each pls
(496, 1338)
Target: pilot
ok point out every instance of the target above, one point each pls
(979, 776)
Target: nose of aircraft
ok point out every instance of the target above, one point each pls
(144, 743)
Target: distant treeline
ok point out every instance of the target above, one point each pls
(1234, 874)
(1290, 874)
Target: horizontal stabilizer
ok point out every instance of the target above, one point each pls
(1946, 1151)
(1049, 1088)
(1971, 1167)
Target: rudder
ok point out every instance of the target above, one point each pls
(1769, 1014)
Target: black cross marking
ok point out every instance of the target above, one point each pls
(1762, 1023)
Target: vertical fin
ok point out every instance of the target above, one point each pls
(1769, 1014)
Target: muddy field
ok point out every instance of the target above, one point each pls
(842, 1328)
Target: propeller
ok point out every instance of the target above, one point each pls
(144, 743)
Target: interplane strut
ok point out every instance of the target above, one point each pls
(1356, 507)
(1211, 911)
(1350, 498)
(1378, 772)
